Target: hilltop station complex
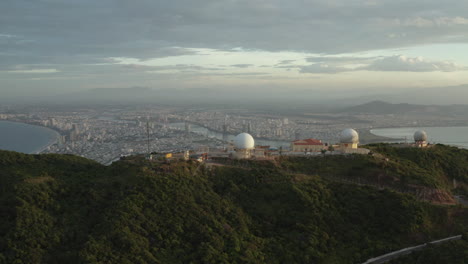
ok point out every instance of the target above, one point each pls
(243, 147)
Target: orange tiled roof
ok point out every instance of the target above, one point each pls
(307, 142)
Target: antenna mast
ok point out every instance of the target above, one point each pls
(148, 137)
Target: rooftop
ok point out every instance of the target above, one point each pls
(308, 142)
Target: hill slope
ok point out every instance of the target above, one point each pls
(66, 209)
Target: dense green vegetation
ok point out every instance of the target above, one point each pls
(439, 165)
(434, 167)
(444, 160)
(66, 209)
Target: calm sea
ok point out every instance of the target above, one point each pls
(455, 136)
(25, 138)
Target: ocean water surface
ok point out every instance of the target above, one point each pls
(455, 136)
(24, 137)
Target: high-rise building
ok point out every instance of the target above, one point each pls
(297, 135)
(188, 131)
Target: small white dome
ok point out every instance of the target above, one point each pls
(349, 135)
(420, 135)
(244, 141)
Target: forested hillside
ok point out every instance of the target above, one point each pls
(66, 209)
(438, 165)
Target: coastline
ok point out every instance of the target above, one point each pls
(437, 134)
(367, 137)
(50, 143)
(53, 140)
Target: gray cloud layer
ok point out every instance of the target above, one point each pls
(56, 31)
(390, 63)
(63, 40)
(418, 64)
(242, 65)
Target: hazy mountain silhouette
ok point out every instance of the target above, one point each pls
(382, 107)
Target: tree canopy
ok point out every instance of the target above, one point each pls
(67, 209)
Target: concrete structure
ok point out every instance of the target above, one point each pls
(154, 156)
(183, 155)
(307, 145)
(261, 151)
(199, 157)
(362, 151)
(420, 139)
(244, 144)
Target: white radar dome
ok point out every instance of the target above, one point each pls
(244, 141)
(420, 135)
(349, 136)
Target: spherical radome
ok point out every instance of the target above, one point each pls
(244, 141)
(349, 136)
(420, 135)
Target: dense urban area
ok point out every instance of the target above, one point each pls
(105, 134)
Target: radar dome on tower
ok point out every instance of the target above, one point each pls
(420, 135)
(244, 141)
(349, 136)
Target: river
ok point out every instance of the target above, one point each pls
(230, 137)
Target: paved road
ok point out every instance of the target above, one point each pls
(402, 252)
(461, 199)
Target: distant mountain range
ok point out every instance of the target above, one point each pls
(381, 107)
(423, 96)
(315, 99)
(415, 98)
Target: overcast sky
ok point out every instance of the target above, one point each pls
(68, 45)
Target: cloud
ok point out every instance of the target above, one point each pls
(34, 71)
(423, 22)
(341, 59)
(80, 38)
(322, 68)
(332, 65)
(412, 64)
(242, 65)
(8, 36)
(240, 74)
(148, 29)
(286, 62)
(177, 67)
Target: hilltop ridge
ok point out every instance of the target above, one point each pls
(67, 209)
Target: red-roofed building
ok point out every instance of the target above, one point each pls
(307, 145)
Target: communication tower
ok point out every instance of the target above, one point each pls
(148, 137)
